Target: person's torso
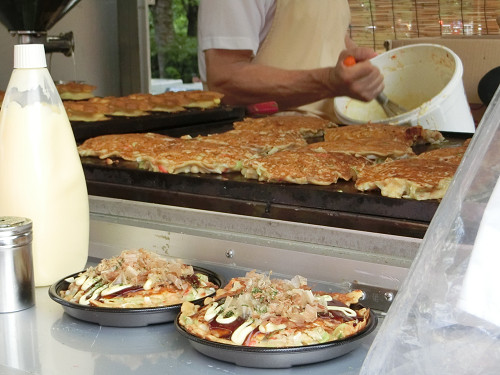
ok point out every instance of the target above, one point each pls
(306, 35)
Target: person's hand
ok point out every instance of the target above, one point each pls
(362, 80)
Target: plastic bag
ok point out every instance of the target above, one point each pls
(445, 318)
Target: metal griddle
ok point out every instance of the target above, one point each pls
(175, 124)
(340, 205)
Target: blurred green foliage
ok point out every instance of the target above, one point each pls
(181, 61)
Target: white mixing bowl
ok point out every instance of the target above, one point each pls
(424, 78)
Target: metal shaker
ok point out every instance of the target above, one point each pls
(17, 287)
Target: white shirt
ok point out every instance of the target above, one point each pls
(232, 24)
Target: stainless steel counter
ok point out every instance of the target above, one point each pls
(44, 340)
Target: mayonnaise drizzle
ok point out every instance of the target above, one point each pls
(346, 310)
(240, 334)
(212, 311)
(220, 319)
(110, 289)
(89, 282)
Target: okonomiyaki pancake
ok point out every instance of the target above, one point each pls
(177, 97)
(414, 178)
(304, 166)
(411, 135)
(164, 103)
(75, 91)
(123, 106)
(137, 279)
(84, 110)
(132, 146)
(307, 126)
(159, 103)
(196, 156)
(261, 142)
(373, 149)
(200, 99)
(258, 311)
(449, 154)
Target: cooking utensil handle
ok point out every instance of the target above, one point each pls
(265, 108)
(349, 61)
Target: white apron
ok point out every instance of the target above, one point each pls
(307, 34)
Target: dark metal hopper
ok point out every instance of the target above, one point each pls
(33, 15)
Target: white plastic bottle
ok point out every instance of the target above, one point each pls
(41, 176)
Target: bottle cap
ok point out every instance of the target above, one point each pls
(29, 56)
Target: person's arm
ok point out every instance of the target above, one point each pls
(232, 73)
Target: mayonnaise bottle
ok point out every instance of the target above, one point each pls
(41, 176)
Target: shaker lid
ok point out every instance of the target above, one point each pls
(15, 231)
(29, 56)
(13, 225)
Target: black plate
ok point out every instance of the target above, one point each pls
(259, 357)
(126, 317)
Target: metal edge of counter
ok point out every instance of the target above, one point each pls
(324, 254)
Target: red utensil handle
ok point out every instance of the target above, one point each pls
(266, 108)
(349, 61)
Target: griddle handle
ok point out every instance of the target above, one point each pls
(262, 109)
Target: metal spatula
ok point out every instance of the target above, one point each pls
(390, 108)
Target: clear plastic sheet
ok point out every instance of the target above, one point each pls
(446, 317)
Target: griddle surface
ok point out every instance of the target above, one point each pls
(339, 205)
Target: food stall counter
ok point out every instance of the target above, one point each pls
(44, 340)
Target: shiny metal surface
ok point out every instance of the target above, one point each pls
(49, 341)
(17, 290)
(33, 15)
(46, 341)
(116, 223)
(339, 257)
(340, 205)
